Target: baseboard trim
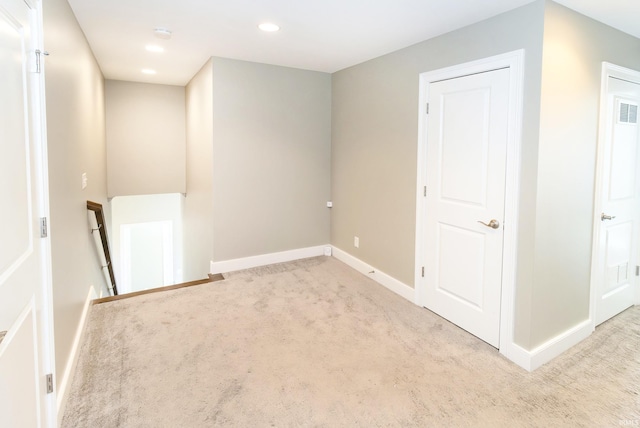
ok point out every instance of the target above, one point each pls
(539, 356)
(517, 355)
(265, 259)
(65, 381)
(556, 346)
(377, 275)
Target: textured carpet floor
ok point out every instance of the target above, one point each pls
(314, 343)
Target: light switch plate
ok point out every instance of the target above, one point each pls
(84, 180)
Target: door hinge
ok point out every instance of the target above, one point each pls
(43, 227)
(637, 270)
(425, 190)
(423, 271)
(427, 108)
(39, 54)
(49, 383)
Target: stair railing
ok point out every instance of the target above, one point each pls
(102, 230)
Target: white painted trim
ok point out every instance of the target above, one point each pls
(608, 70)
(512, 201)
(421, 184)
(515, 61)
(559, 344)
(65, 381)
(38, 97)
(520, 356)
(531, 360)
(167, 252)
(265, 259)
(377, 275)
(125, 259)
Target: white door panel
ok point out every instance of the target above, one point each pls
(617, 248)
(25, 355)
(464, 128)
(466, 165)
(462, 285)
(18, 371)
(147, 255)
(15, 225)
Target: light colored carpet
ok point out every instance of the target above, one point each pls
(314, 343)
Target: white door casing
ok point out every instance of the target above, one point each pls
(614, 285)
(26, 352)
(429, 214)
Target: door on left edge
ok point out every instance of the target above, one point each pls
(25, 350)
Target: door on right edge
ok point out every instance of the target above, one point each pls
(617, 249)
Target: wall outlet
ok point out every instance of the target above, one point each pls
(327, 251)
(329, 204)
(356, 242)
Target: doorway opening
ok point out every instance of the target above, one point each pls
(147, 241)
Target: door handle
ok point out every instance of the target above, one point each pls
(604, 217)
(494, 224)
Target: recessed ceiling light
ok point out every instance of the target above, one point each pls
(148, 71)
(162, 33)
(154, 48)
(268, 27)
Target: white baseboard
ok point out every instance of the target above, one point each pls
(265, 259)
(516, 354)
(380, 277)
(531, 360)
(65, 381)
(556, 346)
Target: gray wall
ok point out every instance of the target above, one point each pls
(145, 138)
(271, 158)
(198, 203)
(375, 134)
(257, 158)
(76, 144)
(574, 48)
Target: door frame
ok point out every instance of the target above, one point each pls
(515, 62)
(40, 142)
(615, 71)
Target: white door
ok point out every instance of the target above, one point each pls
(146, 251)
(466, 163)
(25, 350)
(618, 219)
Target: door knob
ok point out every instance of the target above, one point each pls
(604, 217)
(494, 224)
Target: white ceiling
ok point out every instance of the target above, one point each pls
(321, 35)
